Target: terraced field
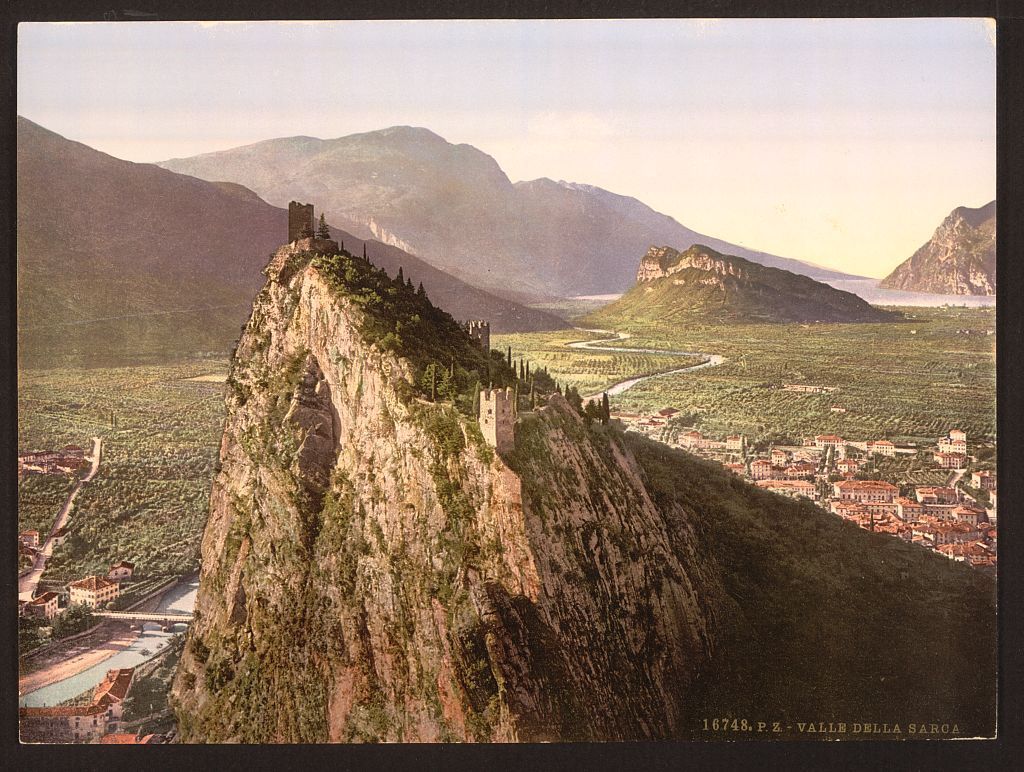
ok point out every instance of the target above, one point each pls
(160, 434)
(588, 371)
(911, 380)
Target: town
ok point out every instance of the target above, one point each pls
(956, 518)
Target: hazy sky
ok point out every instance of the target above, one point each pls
(843, 142)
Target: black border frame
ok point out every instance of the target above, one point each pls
(939, 754)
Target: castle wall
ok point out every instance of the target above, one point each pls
(481, 331)
(300, 217)
(497, 418)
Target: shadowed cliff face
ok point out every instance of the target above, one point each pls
(960, 258)
(372, 570)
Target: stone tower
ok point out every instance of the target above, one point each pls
(481, 331)
(497, 418)
(300, 220)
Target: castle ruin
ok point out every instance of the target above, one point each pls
(302, 243)
(300, 221)
(480, 330)
(497, 418)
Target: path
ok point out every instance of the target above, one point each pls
(713, 360)
(27, 584)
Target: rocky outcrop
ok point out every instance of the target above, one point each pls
(373, 570)
(960, 258)
(701, 285)
(660, 262)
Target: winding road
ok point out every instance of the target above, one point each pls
(713, 360)
(27, 584)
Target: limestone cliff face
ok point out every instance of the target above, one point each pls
(372, 570)
(660, 262)
(960, 258)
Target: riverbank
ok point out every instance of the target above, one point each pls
(69, 670)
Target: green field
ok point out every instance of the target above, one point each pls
(148, 503)
(911, 380)
(588, 371)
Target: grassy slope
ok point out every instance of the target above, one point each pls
(760, 294)
(829, 622)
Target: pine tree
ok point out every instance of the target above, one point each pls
(408, 284)
(364, 252)
(401, 276)
(420, 292)
(322, 231)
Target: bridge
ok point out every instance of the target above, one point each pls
(165, 619)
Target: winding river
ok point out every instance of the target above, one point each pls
(712, 360)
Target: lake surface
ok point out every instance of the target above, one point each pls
(871, 292)
(181, 598)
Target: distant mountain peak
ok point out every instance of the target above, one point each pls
(959, 259)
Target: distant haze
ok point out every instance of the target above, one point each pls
(841, 142)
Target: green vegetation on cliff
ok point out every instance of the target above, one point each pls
(402, 321)
(703, 285)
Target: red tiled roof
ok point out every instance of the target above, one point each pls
(114, 687)
(92, 583)
(123, 564)
(119, 739)
(43, 599)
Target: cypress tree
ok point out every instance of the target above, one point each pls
(401, 276)
(509, 356)
(322, 232)
(606, 410)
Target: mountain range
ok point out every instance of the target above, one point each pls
(703, 285)
(453, 206)
(125, 262)
(959, 259)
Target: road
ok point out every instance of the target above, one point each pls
(27, 584)
(713, 360)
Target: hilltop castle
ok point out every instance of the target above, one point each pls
(301, 239)
(480, 330)
(498, 417)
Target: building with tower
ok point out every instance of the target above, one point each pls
(498, 418)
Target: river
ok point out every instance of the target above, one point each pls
(712, 360)
(181, 598)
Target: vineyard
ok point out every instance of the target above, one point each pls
(40, 498)
(588, 371)
(906, 381)
(148, 503)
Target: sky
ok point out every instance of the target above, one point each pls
(842, 142)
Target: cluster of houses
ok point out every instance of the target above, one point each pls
(67, 460)
(92, 591)
(938, 518)
(100, 720)
(824, 469)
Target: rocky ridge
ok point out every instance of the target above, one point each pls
(373, 570)
(959, 259)
(701, 284)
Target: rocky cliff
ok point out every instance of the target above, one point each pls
(373, 570)
(960, 258)
(703, 285)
